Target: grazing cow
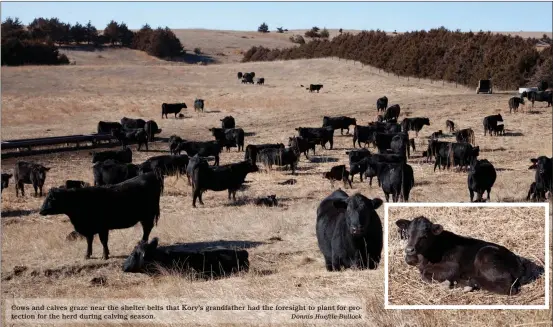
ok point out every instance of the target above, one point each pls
(5, 180)
(123, 156)
(247, 78)
(253, 149)
(396, 179)
(227, 177)
(349, 231)
(436, 135)
(228, 122)
(450, 125)
(105, 127)
(172, 108)
(382, 104)
(414, 124)
(166, 165)
(203, 149)
(231, 137)
(111, 172)
(543, 177)
(314, 87)
(441, 256)
(481, 178)
(354, 157)
(301, 145)
(261, 81)
(192, 163)
(130, 123)
(490, 123)
(29, 173)
(151, 129)
(338, 173)
(465, 135)
(320, 135)
(514, 102)
(69, 184)
(97, 210)
(151, 259)
(540, 96)
(341, 122)
(239, 75)
(128, 136)
(199, 105)
(267, 201)
(392, 112)
(279, 157)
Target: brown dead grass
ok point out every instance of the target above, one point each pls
(47, 101)
(496, 225)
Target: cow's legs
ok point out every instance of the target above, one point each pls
(471, 194)
(104, 239)
(146, 229)
(387, 195)
(488, 197)
(40, 190)
(22, 187)
(89, 239)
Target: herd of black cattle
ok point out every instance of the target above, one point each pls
(348, 229)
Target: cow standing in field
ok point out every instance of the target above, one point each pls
(514, 103)
(228, 122)
(464, 136)
(105, 127)
(279, 157)
(111, 172)
(199, 105)
(165, 165)
(320, 136)
(247, 78)
(232, 137)
(97, 210)
(349, 231)
(128, 136)
(338, 173)
(490, 123)
(314, 87)
(132, 124)
(172, 108)
(5, 180)
(414, 124)
(480, 179)
(382, 104)
(340, 122)
(122, 156)
(450, 125)
(396, 179)
(544, 176)
(301, 145)
(29, 173)
(151, 130)
(260, 81)
(192, 163)
(540, 96)
(442, 256)
(354, 157)
(252, 150)
(203, 149)
(239, 75)
(392, 113)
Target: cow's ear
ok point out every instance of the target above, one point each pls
(437, 229)
(46, 168)
(377, 202)
(403, 223)
(347, 152)
(340, 204)
(534, 160)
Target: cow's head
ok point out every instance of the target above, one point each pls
(40, 173)
(426, 121)
(360, 210)
(421, 234)
(542, 164)
(476, 151)
(141, 257)
(53, 203)
(5, 180)
(354, 121)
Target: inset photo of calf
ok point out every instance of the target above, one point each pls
(466, 255)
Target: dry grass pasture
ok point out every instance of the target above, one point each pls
(405, 286)
(48, 101)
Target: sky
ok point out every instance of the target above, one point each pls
(246, 16)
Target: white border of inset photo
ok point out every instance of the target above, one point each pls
(463, 307)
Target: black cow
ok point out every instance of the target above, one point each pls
(105, 127)
(396, 179)
(481, 178)
(301, 145)
(174, 142)
(543, 177)
(69, 184)
(228, 122)
(279, 157)
(338, 173)
(490, 123)
(400, 144)
(97, 210)
(151, 259)
(386, 127)
(199, 105)
(414, 124)
(314, 87)
(166, 165)
(123, 156)
(349, 231)
(203, 149)
(392, 112)
(363, 134)
(450, 125)
(5, 180)
(362, 167)
(151, 129)
(382, 104)
(130, 123)
(261, 81)
(267, 201)
(436, 135)
(228, 177)
(383, 142)
(111, 172)
(442, 256)
(340, 122)
(448, 154)
(499, 129)
(231, 137)
(253, 149)
(29, 173)
(320, 135)
(465, 135)
(247, 78)
(239, 75)
(354, 157)
(540, 96)
(514, 102)
(172, 108)
(128, 136)
(192, 163)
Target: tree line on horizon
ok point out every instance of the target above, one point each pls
(437, 54)
(38, 43)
